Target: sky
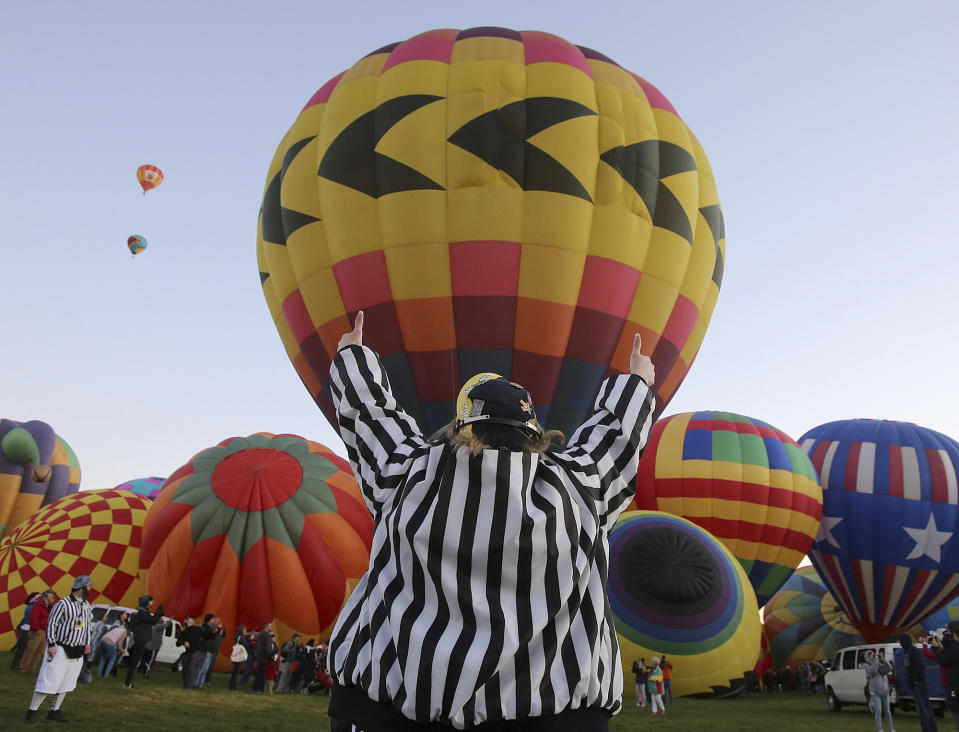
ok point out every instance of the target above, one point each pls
(829, 127)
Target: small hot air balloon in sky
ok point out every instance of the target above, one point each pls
(675, 589)
(265, 527)
(96, 533)
(741, 479)
(136, 244)
(494, 200)
(149, 176)
(887, 546)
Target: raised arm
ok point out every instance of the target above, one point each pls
(379, 436)
(609, 444)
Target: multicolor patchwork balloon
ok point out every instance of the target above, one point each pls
(37, 467)
(675, 589)
(744, 481)
(146, 487)
(803, 622)
(149, 177)
(887, 548)
(494, 200)
(97, 533)
(136, 244)
(265, 527)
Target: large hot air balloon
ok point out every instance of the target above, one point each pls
(742, 480)
(149, 176)
(675, 589)
(96, 533)
(136, 243)
(258, 528)
(146, 487)
(37, 467)
(886, 548)
(803, 622)
(495, 200)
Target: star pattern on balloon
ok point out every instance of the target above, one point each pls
(825, 530)
(929, 540)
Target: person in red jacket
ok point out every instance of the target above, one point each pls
(667, 667)
(37, 641)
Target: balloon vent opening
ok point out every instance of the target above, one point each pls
(257, 479)
(669, 567)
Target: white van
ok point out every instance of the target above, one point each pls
(846, 679)
(169, 651)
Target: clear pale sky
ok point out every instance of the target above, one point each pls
(830, 128)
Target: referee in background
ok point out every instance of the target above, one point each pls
(485, 604)
(68, 641)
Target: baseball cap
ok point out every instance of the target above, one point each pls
(498, 411)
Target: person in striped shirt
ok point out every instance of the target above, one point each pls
(68, 641)
(485, 603)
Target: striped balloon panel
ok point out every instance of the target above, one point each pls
(675, 589)
(744, 481)
(887, 549)
(97, 533)
(497, 201)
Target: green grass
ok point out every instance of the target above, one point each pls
(159, 703)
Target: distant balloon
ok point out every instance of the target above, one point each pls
(886, 548)
(37, 467)
(803, 622)
(146, 487)
(97, 533)
(675, 589)
(136, 243)
(149, 176)
(265, 527)
(747, 483)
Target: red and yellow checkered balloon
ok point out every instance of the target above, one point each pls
(97, 533)
(494, 200)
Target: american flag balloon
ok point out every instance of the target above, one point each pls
(886, 547)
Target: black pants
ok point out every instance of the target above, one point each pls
(372, 716)
(136, 654)
(22, 637)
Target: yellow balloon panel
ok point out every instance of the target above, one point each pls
(519, 173)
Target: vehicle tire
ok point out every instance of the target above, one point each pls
(832, 701)
(906, 705)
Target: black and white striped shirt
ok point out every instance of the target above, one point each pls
(69, 623)
(486, 593)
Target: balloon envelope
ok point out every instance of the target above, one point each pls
(803, 622)
(675, 589)
(149, 176)
(136, 243)
(146, 487)
(886, 548)
(266, 527)
(747, 483)
(24, 447)
(97, 533)
(494, 200)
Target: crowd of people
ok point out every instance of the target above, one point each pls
(654, 682)
(135, 638)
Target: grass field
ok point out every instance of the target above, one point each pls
(159, 703)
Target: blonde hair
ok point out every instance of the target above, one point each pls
(475, 445)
